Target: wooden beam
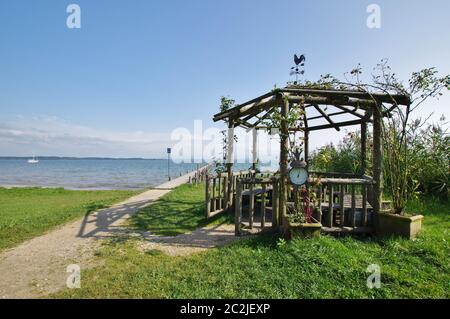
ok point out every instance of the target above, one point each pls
(251, 205)
(252, 108)
(364, 205)
(325, 115)
(227, 113)
(353, 112)
(400, 99)
(238, 210)
(265, 116)
(341, 124)
(275, 205)
(342, 100)
(342, 203)
(317, 96)
(306, 137)
(336, 181)
(329, 114)
(243, 123)
(363, 147)
(284, 147)
(353, 207)
(330, 206)
(254, 147)
(263, 207)
(207, 197)
(377, 161)
(230, 161)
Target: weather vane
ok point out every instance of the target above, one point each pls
(298, 68)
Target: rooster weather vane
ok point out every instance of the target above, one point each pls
(298, 68)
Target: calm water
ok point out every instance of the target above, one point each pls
(89, 173)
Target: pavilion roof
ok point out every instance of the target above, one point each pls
(324, 108)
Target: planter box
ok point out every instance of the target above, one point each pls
(303, 230)
(388, 224)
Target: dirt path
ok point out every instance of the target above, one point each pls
(186, 244)
(38, 267)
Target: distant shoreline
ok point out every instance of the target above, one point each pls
(80, 158)
(79, 188)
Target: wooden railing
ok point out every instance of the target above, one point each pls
(341, 200)
(216, 191)
(258, 188)
(200, 174)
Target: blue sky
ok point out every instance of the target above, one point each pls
(138, 69)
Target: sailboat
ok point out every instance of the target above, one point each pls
(33, 160)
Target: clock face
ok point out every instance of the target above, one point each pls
(298, 176)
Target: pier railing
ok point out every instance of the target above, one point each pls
(200, 174)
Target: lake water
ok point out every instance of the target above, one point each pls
(89, 173)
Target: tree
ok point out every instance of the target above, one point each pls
(422, 85)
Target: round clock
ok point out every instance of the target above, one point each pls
(298, 175)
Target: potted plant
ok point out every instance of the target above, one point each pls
(299, 222)
(398, 163)
(398, 136)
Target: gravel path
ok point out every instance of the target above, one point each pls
(37, 267)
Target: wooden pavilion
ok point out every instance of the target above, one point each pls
(345, 202)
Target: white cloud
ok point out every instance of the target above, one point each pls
(54, 136)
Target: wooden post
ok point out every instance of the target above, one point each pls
(306, 150)
(330, 205)
(306, 136)
(363, 147)
(225, 192)
(341, 201)
(296, 196)
(275, 207)
(377, 160)
(320, 203)
(213, 206)
(207, 197)
(219, 192)
(238, 210)
(255, 147)
(364, 205)
(263, 206)
(230, 161)
(251, 205)
(284, 147)
(353, 211)
(233, 189)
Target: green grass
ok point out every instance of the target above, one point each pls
(29, 212)
(178, 212)
(267, 267)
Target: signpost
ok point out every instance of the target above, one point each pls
(169, 150)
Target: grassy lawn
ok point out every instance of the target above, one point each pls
(29, 212)
(267, 267)
(178, 212)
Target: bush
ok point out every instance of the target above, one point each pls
(428, 158)
(345, 157)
